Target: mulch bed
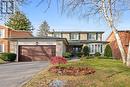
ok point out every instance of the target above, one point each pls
(71, 70)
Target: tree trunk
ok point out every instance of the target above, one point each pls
(128, 56)
(109, 20)
(122, 51)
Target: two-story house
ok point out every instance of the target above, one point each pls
(78, 39)
(30, 48)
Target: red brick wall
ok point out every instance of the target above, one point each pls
(20, 34)
(125, 38)
(12, 33)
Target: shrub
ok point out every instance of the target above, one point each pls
(97, 54)
(86, 51)
(67, 54)
(8, 56)
(79, 54)
(58, 60)
(108, 51)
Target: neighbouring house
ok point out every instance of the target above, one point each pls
(78, 39)
(30, 48)
(6, 32)
(125, 38)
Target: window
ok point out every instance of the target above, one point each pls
(53, 51)
(74, 36)
(92, 48)
(92, 36)
(1, 48)
(95, 47)
(99, 37)
(57, 34)
(1, 33)
(101, 48)
(96, 50)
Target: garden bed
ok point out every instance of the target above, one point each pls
(109, 73)
(71, 70)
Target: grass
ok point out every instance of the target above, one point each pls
(2, 61)
(109, 73)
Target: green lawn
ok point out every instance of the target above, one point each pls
(2, 61)
(109, 73)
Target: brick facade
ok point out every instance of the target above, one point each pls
(8, 32)
(125, 38)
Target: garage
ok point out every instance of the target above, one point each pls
(36, 52)
(37, 48)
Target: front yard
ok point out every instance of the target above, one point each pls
(109, 73)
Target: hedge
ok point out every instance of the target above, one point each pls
(8, 56)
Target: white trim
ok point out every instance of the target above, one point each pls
(3, 50)
(98, 48)
(3, 33)
(75, 36)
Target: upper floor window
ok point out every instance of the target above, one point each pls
(74, 36)
(1, 48)
(57, 34)
(1, 33)
(99, 37)
(92, 36)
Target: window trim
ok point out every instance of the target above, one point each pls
(92, 34)
(78, 37)
(3, 33)
(2, 48)
(95, 47)
(57, 35)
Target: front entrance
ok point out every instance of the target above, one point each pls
(75, 49)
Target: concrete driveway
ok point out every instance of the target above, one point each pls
(15, 74)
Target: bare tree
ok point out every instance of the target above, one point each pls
(109, 10)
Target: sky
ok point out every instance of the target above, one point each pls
(63, 22)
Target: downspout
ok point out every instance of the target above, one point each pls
(17, 51)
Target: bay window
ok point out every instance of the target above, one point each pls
(95, 47)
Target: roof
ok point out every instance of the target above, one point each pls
(118, 31)
(77, 31)
(55, 38)
(81, 42)
(124, 30)
(14, 29)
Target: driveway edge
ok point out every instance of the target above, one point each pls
(33, 76)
